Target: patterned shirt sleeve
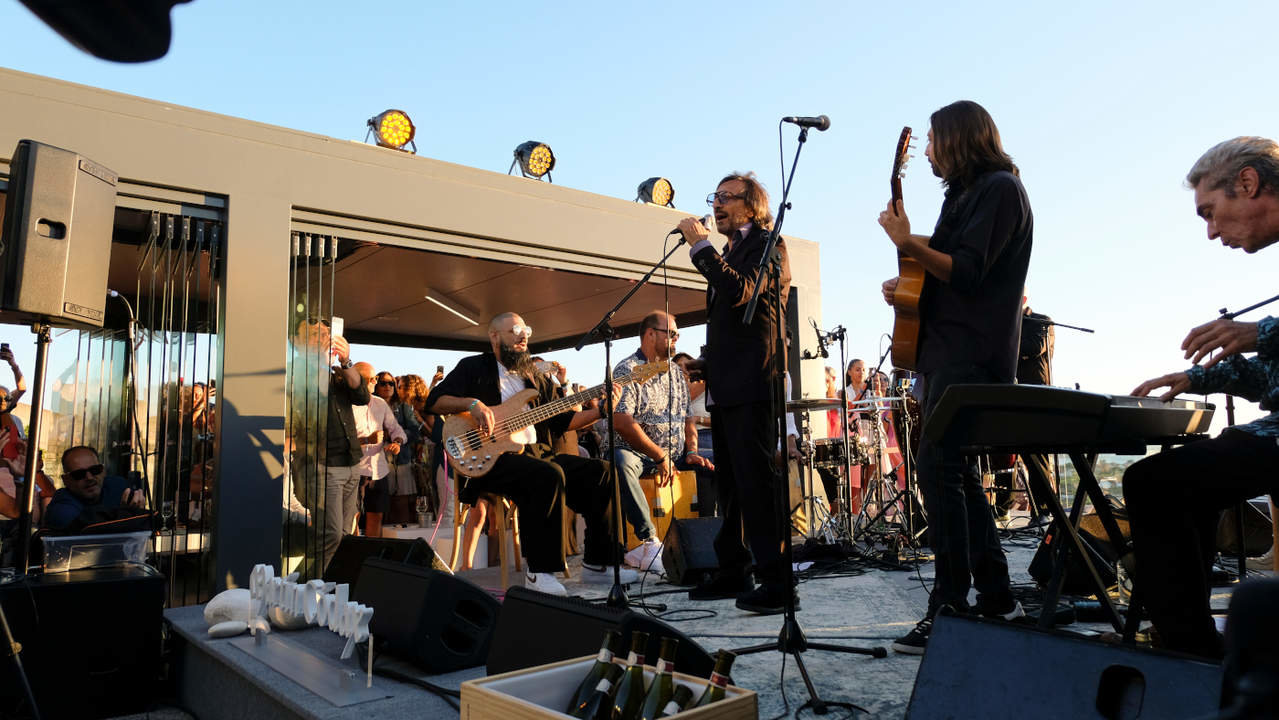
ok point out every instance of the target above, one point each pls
(1236, 375)
(1268, 339)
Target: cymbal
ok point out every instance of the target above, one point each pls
(812, 404)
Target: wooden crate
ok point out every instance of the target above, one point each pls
(538, 693)
(683, 488)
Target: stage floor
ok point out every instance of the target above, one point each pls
(868, 609)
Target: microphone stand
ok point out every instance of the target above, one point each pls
(790, 640)
(617, 596)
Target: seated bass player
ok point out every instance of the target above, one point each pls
(535, 479)
(1175, 498)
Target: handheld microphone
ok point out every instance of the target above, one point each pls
(707, 221)
(821, 340)
(820, 123)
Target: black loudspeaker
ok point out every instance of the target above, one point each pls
(688, 550)
(432, 619)
(349, 558)
(1026, 672)
(90, 642)
(55, 247)
(1100, 551)
(535, 628)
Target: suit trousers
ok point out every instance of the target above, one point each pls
(745, 438)
(540, 483)
(1174, 501)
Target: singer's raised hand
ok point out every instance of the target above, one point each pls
(693, 230)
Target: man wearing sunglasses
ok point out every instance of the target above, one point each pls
(88, 494)
(375, 423)
(740, 370)
(535, 479)
(654, 432)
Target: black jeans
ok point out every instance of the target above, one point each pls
(961, 528)
(745, 442)
(1174, 502)
(536, 481)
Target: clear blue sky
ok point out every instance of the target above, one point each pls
(1103, 105)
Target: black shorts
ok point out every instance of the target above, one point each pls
(376, 497)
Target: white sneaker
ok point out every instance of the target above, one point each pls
(604, 575)
(647, 557)
(544, 582)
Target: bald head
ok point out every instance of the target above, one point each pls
(365, 370)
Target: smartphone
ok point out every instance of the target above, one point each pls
(439, 368)
(336, 329)
(4, 347)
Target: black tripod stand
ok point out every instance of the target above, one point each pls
(791, 640)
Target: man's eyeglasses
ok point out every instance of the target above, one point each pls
(672, 334)
(522, 331)
(82, 473)
(721, 198)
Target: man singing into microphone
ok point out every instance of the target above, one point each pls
(740, 370)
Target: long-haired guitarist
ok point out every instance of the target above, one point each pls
(970, 310)
(535, 478)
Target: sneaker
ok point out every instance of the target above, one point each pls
(647, 557)
(914, 642)
(722, 586)
(1002, 611)
(767, 599)
(544, 582)
(604, 575)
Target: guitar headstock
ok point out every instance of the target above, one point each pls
(647, 371)
(901, 155)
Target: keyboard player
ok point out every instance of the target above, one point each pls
(1175, 498)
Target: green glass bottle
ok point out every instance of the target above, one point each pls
(663, 687)
(630, 689)
(678, 702)
(599, 706)
(602, 662)
(719, 678)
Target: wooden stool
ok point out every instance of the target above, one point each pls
(464, 546)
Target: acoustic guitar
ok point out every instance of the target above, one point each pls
(910, 276)
(473, 454)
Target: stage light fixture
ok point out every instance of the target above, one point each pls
(535, 160)
(393, 129)
(656, 190)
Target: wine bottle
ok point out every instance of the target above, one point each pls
(630, 689)
(659, 693)
(678, 702)
(602, 663)
(719, 678)
(599, 706)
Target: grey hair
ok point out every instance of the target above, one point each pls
(1218, 168)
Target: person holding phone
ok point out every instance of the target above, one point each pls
(342, 472)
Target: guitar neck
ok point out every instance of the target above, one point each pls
(549, 410)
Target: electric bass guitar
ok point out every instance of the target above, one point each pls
(473, 454)
(910, 276)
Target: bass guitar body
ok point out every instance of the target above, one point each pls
(473, 454)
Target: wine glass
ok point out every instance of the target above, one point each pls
(166, 513)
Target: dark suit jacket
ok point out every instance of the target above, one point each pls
(739, 358)
(476, 377)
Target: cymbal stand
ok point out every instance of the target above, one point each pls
(817, 514)
(879, 487)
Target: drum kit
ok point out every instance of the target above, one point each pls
(887, 507)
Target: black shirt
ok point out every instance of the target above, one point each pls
(975, 319)
(343, 441)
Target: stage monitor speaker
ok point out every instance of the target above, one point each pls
(90, 642)
(688, 550)
(349, 558)
(535, 628)
(55, 246)
(432, 619)
(1027, 672)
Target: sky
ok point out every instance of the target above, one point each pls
(1104, 106)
